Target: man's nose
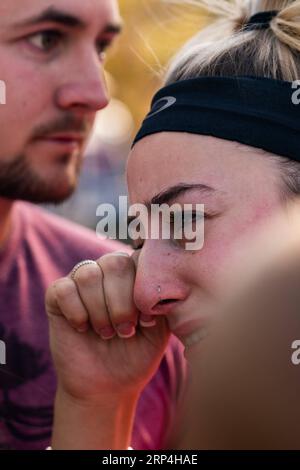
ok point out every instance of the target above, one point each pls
(158, 287)
(85, 89)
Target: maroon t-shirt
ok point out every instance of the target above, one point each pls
(43, 247)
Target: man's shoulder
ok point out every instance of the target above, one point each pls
(54, 229)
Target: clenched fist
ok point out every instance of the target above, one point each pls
(100, 342)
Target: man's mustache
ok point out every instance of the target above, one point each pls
(67, 123)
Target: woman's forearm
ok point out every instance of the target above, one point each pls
(100, 425)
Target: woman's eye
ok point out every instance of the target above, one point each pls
(46, 41)
(188, 220)
(191, 229)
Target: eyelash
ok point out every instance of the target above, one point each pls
(103, 45)
(206, 216)
(59, 37)
(52, 32)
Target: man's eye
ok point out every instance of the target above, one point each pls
(102, 47)
(46, 41)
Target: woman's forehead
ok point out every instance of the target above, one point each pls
(238, 174)
(192, 149)
(171, 154)
(168, 159)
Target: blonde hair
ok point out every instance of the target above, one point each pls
(225, 49)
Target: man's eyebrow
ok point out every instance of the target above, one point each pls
(168, 195)
(114, 28)
(64, 18)
(53, 15)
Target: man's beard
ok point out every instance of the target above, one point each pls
(19, 181)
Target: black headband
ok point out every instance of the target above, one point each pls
(260, 20)
(258, 112)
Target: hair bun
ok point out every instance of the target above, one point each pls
(249, 37)
(287, 25)
(261, 20)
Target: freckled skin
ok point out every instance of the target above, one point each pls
(247, 182)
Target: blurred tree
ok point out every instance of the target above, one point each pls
(153, 31)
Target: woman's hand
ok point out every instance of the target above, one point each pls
(83, 309)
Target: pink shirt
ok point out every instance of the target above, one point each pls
(42, 248)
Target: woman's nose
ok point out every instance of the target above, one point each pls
(158, 287)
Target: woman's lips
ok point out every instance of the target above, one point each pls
(165, 307)
(191, 332)
(188, 327)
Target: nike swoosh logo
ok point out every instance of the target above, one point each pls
(169, 101)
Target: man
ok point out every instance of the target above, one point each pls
(51, 60)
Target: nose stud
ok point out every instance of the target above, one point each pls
(159, 291)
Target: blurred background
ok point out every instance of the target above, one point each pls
(153, 31)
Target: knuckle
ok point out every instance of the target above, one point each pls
(77, 319)
(64, 288)
(88, 275)
(117, 264)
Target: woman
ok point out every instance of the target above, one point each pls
(246, 386)
(223, 133)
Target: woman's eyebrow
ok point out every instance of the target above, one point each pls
(169, 194)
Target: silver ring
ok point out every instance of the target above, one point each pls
(79, 265)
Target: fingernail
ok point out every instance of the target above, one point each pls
(120, 253)
(84, 328)
(147, 321)
(107, 332)
(126, 330)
